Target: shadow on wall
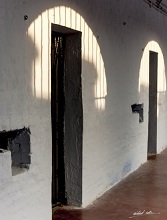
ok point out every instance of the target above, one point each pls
(71, 15)
(93, 53)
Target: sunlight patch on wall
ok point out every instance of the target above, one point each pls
(40, 33)
(144, 73)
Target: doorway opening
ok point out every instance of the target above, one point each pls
(152, 118)
(67, 116)
(57, 112)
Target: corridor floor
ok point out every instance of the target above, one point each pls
(142, 196)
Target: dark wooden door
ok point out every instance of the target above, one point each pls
(152, 123)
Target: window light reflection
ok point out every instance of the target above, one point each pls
(144, 73)
(40, 30)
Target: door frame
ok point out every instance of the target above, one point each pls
(73, 115)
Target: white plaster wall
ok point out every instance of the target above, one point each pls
(27, 195)
(114, 143)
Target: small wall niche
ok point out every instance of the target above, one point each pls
(18, 143)
(138, 108)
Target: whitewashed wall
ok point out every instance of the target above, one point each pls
(27, 195)
(116, 37)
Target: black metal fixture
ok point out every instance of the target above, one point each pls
(158, 5)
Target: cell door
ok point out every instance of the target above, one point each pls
(67, 116)
(152, 119)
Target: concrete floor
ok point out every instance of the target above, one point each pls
(142, 195)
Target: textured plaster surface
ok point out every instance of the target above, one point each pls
(5, 167)
(114, 143)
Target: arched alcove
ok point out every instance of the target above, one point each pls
(39, 32)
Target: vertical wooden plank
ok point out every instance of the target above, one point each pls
(73, 120)
(152, 123)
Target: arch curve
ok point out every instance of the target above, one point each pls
(39, 32)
